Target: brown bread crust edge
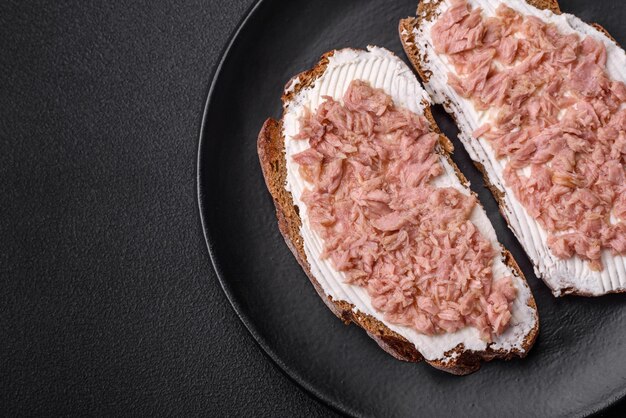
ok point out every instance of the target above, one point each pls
(271, 150)
(425, 11)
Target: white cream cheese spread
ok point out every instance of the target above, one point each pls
(384, 70)
(562, 275)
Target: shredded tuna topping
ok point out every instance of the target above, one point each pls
(555, 115)
(411, 245)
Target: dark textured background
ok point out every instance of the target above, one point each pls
(108, 303)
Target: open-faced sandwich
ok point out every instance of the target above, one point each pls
(382, 221)
(540, 100)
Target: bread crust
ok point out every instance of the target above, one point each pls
(271, 150)
(426, 11)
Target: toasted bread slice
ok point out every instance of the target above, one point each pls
(458, 353)
(571, 276)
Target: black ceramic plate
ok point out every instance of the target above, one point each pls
(577, 366)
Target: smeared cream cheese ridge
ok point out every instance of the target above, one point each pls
(383, 70)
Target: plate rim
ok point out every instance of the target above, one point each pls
(275, 360)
